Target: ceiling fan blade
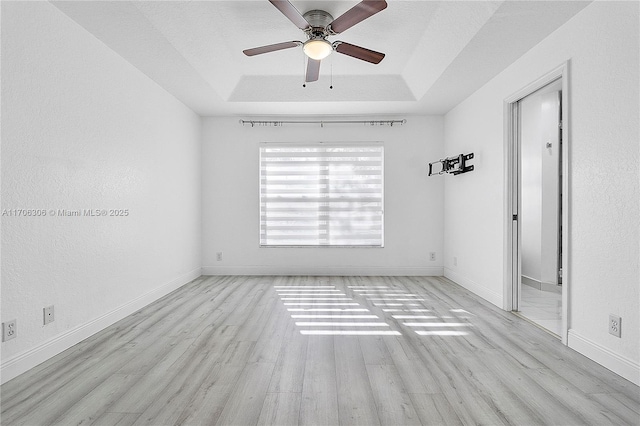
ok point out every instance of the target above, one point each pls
(359, 52)
(313, 70)
(291, 12)
(271, 48)
(356, 14)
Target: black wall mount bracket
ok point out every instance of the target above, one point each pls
(451, 165)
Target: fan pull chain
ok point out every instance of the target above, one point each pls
(304, 71)
(331, 86)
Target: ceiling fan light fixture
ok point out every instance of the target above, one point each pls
(317, 48)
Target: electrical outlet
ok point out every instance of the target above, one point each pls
(615, 325)
(48, 314)
(455, 261)
(432, 256)
(9, 330)
(219, 256)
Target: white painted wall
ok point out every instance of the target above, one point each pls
(601, 43)
(83, 129)
(413, 201)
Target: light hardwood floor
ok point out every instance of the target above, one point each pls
(320, 351)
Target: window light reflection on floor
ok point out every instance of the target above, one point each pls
(413, 317)
(304, 286)
(461, 311)
(368, 286)
(388, 295)
(316, 316)
(340, 324)
(352, 332)
(437, 324)
(441, 333)
(327, 310)
(321, 304)
(395, 304)
(316, 298)
(310, 294)
(394, 299)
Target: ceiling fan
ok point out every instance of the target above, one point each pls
(318, 25)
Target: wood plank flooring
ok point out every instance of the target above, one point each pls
(253, 350)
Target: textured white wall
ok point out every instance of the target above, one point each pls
(413, 201)
(83, 129)
(601, 43)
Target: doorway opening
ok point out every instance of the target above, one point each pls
(537, 148)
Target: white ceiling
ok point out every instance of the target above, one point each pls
(437, 52)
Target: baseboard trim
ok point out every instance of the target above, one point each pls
(25, 361)
(531, 282)
(469, 284)
(542, 286)
(620, 365)
(435, 271)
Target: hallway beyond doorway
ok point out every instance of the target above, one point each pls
(542, 307)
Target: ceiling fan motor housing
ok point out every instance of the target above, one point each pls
(319, 20)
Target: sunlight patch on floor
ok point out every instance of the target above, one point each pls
(441, 333)
(353, 332)
(325, 301)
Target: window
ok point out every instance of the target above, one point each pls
(321, 195)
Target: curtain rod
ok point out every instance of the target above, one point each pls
(389, 123)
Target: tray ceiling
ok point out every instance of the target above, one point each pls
(437, 52)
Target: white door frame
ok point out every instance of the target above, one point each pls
(512, 184)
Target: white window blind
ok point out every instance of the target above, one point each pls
(321, 195)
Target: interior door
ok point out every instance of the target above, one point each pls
(551, 241)
(539, 167)
(540, 187)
